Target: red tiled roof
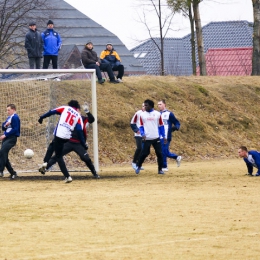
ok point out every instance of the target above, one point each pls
(229, 61)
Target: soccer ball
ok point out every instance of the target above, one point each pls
(28, 153)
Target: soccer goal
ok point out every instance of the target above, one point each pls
(35, 92)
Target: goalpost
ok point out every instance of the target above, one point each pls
(35, 92)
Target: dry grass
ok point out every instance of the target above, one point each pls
(217, 115)
(202, 210)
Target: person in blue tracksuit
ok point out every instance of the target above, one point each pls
(171, 124)
(52, 44)
(11, 128)
(251, 158)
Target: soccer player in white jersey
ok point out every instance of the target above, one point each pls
(151, 125)
(171, 124)
(135, 124)
(251, 158)
(70, 119)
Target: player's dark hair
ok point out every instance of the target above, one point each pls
(243, 148)
(149, 102)
(12, 106)
(74, 103)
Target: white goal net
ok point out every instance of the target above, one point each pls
(35, 92)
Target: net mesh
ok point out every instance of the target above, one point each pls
(33, 98)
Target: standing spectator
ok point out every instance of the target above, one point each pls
(171, 124)
(34, 46)
(73, 145)
(151, 128)
(110, 56)
(135, 124)
(70, 119)
(90, 60)
(52, 45)
(11, 128)
(251, 158)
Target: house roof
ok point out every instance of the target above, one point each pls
(65, 56)
(229, 61)
(177, 51)
(75, 28)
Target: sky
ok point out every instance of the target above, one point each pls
(124, 18)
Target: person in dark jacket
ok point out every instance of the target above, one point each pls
(110, 56)
(90, 60)
(52, 44)
(34, 46)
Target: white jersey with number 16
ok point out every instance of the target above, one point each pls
(69, 117)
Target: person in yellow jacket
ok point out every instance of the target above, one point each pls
(110, 56)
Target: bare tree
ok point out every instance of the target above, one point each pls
(200, 44)
(14, 18)
(185, 7)
(190, 9)
(256, 38)
(164, 16)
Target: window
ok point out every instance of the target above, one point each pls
(142, 55)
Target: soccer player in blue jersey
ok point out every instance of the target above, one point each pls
(171, 124)
(11, 128)
(251, 158)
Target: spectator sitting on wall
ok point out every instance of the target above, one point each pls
(90, 60)
(110, 56)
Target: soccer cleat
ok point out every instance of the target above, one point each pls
(42, 169)
(160, 172)
(249, 174)
(134, 165)
(178, 160)
(114, 81)
(96, 176)
(68, 179)
(13, 176)
(119, 80)
(137, 170)
(258, 174)
(142, 168)
(165, 169)
(101, 81)
(1, 174)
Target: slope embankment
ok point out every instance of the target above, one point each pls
(217, 115)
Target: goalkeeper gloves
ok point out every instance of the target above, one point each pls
(85, 107)
(40, 120)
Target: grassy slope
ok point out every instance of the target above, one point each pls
(217, 114)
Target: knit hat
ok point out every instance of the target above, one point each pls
(50, 22)
(89, 41)
(109, 44)
(32, 23)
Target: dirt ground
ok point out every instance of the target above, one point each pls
(202, 210)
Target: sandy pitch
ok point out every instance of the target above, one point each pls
(202, 210)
